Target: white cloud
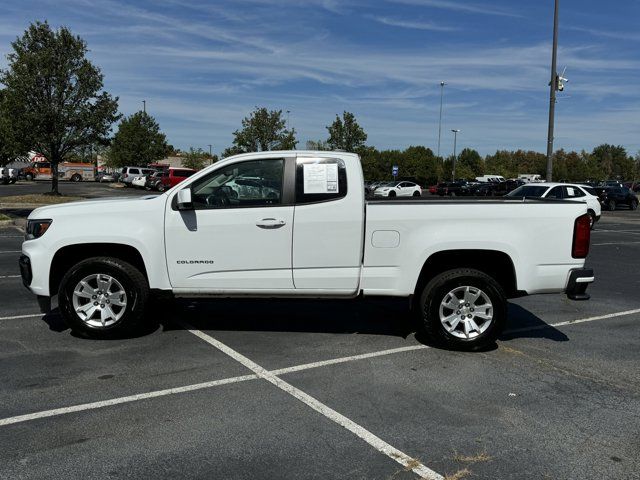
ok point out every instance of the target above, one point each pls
(458, 6)
(418, 25)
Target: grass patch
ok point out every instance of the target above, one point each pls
(480, 457)
(458, 475)
(4, 217)
(39, 198)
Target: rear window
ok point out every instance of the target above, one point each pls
(528, 191)
(134, 170)
(590, 191)
(320, 179)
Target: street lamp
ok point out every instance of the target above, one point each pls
(288, 112)
(210, 154)
(442, 84)
(552, 97)
(144, 106)
(455, 142)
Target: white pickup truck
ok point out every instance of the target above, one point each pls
(296, 224)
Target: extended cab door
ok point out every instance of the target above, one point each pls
(329, 226)
(238, 235)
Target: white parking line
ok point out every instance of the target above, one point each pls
(117, 401)
(11, 251)
(376, 442)
(571, 322)
(15, 317)
(607, 243)
(9, 276)
(617, 231)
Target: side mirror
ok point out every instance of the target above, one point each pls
(184, 201)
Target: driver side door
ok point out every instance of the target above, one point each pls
(238, 236)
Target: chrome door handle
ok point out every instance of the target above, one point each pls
(270, 223)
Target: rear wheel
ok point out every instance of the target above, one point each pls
(76, 177)
(463, 309)
(101, 297)
(633, 205)
(611, 204)
(416, 194)
(392, 194)
(29, 176)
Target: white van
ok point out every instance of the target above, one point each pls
(491, 178)
(530, 177)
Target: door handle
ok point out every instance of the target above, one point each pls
(270, 223)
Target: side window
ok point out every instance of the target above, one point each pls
(320, 179)
(257, 183)
(134, 171)
(555, 192)
(573, 192)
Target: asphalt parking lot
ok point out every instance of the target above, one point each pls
(307, 389)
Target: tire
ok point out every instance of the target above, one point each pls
(392, 194)
(442, 289)
(76, 178)
(416, 194)
(28, 176)
(161, 188)
(611, 205)
(118, 319)
(633, 205)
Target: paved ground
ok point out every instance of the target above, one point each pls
(307, 389)
(82, 189)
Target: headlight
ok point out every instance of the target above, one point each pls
(37, 228)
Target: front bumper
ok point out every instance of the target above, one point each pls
(579, 280)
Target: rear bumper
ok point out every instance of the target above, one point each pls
(579, 280)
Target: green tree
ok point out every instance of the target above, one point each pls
(138, 142)
(7, 149)
(262, 130)
(471, 163)
(345, 133)
(54, 95)
(195, 159)
(317, 145)
(613, 161)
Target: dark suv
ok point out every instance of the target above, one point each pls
(453, 189)
(611, 197)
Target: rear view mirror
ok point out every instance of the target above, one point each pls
(184, 201)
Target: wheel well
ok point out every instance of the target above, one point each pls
(497, 265)
(68, 256)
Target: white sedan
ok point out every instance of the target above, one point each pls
(563, 191)
(398, 189)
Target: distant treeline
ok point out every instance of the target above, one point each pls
(420, 163)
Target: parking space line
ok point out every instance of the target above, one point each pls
(572, 322)
(383, 447)
(11, 251)
(15, 317)
(607, 243)
(120, 400)
(335, 361)
(9, 276)
(635, 232)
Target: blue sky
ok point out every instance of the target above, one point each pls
(203, 66)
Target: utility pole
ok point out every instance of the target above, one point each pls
(455, 141)
(144, 106)
(553, 88)
(288, 112)
(442, 84)
(210, 154)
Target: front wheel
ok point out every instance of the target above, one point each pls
(416, 194)
(463, 309)
(28, 176)
(76, 178)
(101, 297)
(392, 194)
(611, 204)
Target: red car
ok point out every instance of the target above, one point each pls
(433, 189)
(172, 176)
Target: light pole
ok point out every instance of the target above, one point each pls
(210, 154)
(144, 106)
(552, 96)
(288, 112)
(455, 141)
(442, 84)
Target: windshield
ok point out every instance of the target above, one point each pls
(528, 191)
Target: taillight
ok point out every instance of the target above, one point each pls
(581, 236)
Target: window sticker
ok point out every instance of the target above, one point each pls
(571, 191)
(320, 178)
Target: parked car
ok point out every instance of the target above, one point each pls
(172, 177)
(153, 180)
(453, 189)
(433, 189)
(611, 197)
(398, 189)
(139, 181)
(104, 177)
(127, 174)
(503, 188)
(8, 175)
(458, 264)
(633, 186)
(562, 191)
